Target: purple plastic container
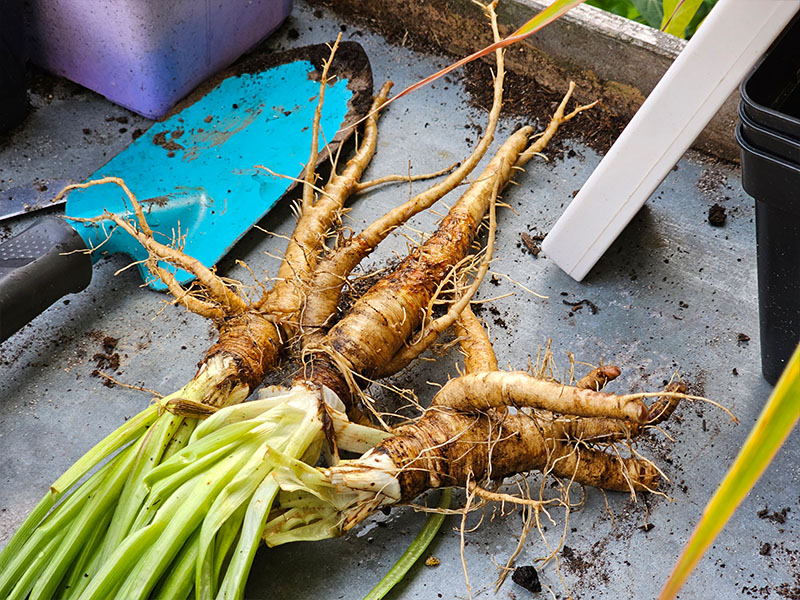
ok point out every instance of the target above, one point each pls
(146, 54)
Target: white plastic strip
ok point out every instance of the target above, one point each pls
(730, 41)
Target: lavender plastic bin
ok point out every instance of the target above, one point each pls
(146, 54)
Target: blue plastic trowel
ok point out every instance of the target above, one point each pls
(193, 173)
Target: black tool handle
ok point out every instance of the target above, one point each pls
(37, 267)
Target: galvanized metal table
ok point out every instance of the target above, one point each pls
(672, 295)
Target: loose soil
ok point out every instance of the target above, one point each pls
(525, 96)
(532, 243)
(108, 359)
(717, 216)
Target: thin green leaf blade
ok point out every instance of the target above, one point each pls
(678, 14)
(779, 416)
(414, 550)
(547, 16)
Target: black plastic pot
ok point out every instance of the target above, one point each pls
(775, 185)
(766, 140)
(771, 93)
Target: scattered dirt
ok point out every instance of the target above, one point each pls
(532, 243)
(776, 517)
(779, 555)
(108, 359)
(160, 139)
(533, 96)
(579, 304)
(497, 320)
(156, 201)
(590, 567)
(109, 344)
(716, 215)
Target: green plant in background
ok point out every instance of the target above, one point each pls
(677, 17)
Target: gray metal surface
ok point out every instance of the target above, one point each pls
(673, 294)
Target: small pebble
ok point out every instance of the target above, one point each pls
(527, 577)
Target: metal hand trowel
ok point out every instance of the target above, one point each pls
(193, 173)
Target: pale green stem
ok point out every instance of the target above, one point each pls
(131, 430)
(131, 497)
(99, 504)
(55, 525)
(75, 581)
(177, 585)
(24, 585)
(177, 526)
(414, 551)
(233, 584)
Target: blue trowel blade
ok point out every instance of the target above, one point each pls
(195, 173)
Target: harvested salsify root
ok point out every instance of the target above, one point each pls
(475, 443)
(86, 538)
(520, 423)
(449, 447)
(183, 503)
(74, 557)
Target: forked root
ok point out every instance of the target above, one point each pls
(330, 276)
(464, 439)
(215, 302)
(392, 323)
(287, 298)
(447, 449)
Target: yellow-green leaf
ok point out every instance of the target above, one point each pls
(547, 16)
(780, 414)
(678, 14)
